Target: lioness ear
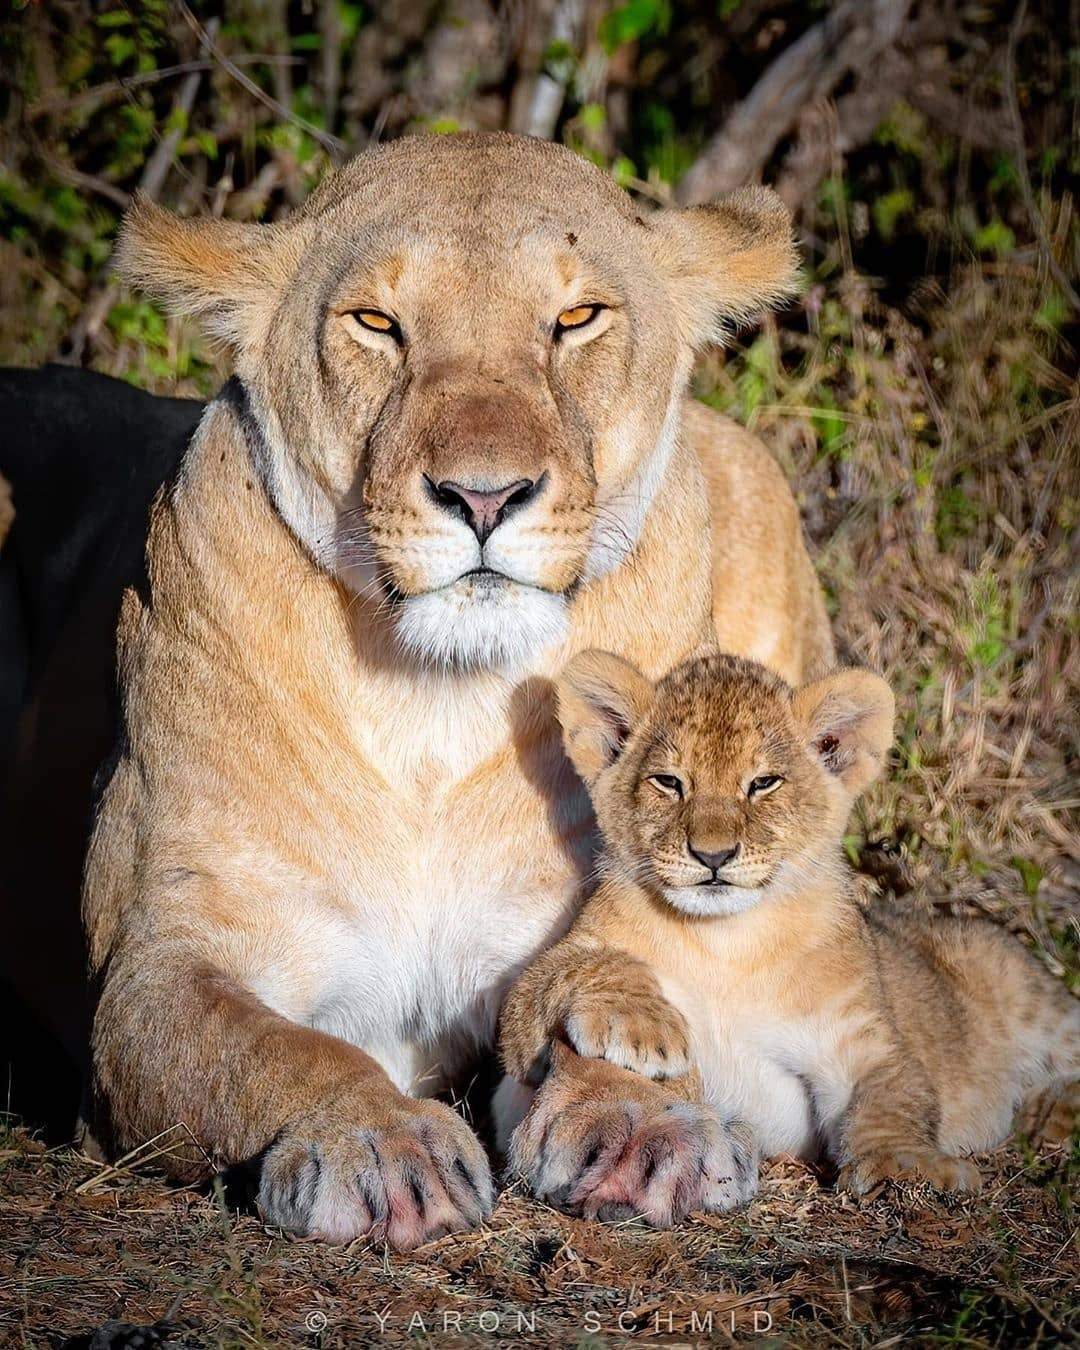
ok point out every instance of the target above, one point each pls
(601, 698)
(726, 262)
(849, 722)
(216, 270)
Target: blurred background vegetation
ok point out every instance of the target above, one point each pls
(921, 395)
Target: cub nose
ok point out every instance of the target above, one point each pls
(715, 861)
(483, 509)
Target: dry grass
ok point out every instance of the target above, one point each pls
(1001, 1269)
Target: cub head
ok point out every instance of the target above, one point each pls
(464, 356)
(720, 785)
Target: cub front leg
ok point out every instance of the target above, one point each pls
(342, 1152)
(604, 1143)
(605, 1003)
(890, 1133)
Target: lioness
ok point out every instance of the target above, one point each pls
(456, 451)
(725, 943)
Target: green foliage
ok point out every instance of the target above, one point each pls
(634, 20)
(888, 209)
(1031, 874)
(986, 629)
(995, 237)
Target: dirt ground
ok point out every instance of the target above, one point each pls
(804, 1265)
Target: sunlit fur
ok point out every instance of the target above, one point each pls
(341, 820)
(896, 1043)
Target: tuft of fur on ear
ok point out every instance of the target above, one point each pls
(601, 698)
(215, 270)
(727, 262)
(848, 717)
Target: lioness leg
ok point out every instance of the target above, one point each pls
(610, 1144)
(343, 1153)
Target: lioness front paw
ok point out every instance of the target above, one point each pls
(412, 1174)
(607, 1144)
(650, 1037)
(943, 1172)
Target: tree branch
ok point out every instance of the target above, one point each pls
(334, 147)
(852, 35)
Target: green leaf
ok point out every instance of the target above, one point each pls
(634, 20)
(996, 237)
(120, 47)
(624, 171)
(888, 209)
(1031, 874)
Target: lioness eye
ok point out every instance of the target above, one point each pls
(762, 786)
(667, 784)
(576, 317)
(378, 322)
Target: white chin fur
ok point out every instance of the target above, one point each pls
(469, 626)
(708, 900)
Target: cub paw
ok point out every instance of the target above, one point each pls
(411, 1175)
(650, 1038)
(606, 1144)
(943, 1172)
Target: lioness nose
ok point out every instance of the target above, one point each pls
(483, 509)
(715, 861)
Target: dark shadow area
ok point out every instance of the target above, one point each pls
(85, 456)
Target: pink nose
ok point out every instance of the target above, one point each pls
(483, 510)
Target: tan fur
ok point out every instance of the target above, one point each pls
(340, 824)
(900, 1044)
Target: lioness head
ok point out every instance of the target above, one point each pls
(720, 784)
(464, 355)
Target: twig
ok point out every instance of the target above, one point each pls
(88, 182)
(1038, 224)
(334, 147)
(112, 89)
(139, 1156)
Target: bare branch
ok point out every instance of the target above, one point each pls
(538, 97)
(852, 36)
(114, 89)
(155, 171)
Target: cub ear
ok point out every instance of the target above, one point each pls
(849, 722)
(726, 262)
(216, 270)
(601, 698)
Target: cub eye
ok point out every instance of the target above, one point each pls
(666, 783)
(761, 787)
(377, 322)
(576, 317)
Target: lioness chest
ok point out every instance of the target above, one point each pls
(459, 857)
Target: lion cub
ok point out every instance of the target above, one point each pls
(725, 935)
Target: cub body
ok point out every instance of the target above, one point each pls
(725, 941)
